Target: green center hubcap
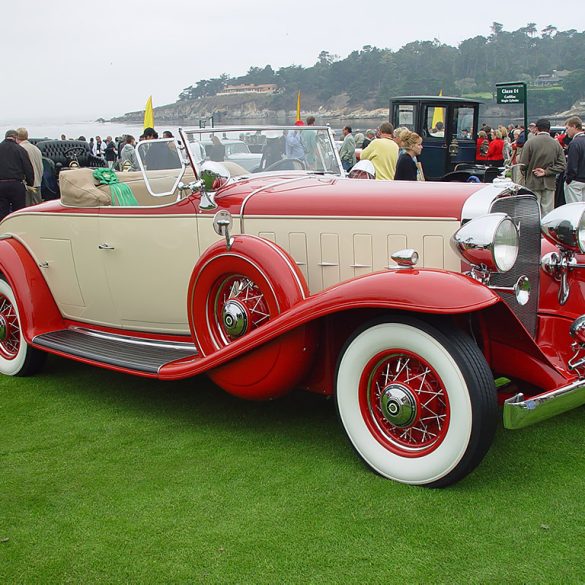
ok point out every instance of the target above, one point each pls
(398, 405)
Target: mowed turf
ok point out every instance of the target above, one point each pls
(107, 478)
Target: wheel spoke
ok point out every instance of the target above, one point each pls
(250, 300)
(412, 382)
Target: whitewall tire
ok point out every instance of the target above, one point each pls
(17, 358)
(418, 403)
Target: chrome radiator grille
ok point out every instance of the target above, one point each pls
(524, 210)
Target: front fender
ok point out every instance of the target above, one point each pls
(37, 308)
(423, 291)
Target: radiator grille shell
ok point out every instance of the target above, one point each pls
(525, 212)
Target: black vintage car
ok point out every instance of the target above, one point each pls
(448, 126)
(63, 154)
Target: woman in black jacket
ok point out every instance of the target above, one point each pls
(406, 167)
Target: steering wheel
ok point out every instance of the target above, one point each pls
(286, 164)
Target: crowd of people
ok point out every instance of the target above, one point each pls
(393, 152)
(552, 166)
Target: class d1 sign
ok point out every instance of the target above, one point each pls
(511, 94)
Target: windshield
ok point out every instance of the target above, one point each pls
(247, 150)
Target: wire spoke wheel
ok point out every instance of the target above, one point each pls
(418, 403)
(17, 358)
(405, 403)
(239, 306)
(9, 329)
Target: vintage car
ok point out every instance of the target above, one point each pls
(235, 151)
(63, 155)
(448, 127)
(405, 301)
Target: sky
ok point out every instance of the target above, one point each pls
(72, 60)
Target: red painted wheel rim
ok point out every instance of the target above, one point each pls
(249, 296)
(413, 376)
(10, 342)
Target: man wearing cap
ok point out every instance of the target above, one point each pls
(15, 166)
(543, 159)
(370, 135)
(33, 194)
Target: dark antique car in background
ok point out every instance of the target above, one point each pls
(448, 126)
(403, 300)
(64, 154)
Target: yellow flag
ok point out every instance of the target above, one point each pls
(439, 114)
(298, 106)
(149, 114)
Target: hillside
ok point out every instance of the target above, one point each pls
(360, 85)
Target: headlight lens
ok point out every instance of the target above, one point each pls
(490, 240)
(506, 245)
(565, 227)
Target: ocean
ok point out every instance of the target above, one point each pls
(73, 130)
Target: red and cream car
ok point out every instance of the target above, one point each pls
(404, 301)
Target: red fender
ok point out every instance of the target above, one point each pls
(274, 284)
(424, 291)
(37, 308)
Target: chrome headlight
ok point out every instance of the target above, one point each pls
(565, 227)
(490, 240)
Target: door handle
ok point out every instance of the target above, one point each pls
(106, 247)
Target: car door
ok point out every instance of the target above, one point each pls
(64, 243)
(148, 254)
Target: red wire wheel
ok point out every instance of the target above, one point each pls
(416, 399)
(238, 306)
(9, 329)
(404, 403)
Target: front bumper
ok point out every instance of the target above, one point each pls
(520, 413)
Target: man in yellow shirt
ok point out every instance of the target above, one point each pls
(383, 152)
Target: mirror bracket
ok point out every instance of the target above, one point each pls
(222, 224)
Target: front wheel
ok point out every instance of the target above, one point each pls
(17, 358)
(418, 404)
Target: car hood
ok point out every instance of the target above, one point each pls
(325, 196)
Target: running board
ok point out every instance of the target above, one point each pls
(133, 353)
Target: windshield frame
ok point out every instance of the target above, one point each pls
(188, 135)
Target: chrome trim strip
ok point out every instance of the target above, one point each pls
(135, 340)
(519, 413)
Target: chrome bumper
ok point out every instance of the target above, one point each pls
(520, 413)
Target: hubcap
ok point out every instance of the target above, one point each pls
(398, 405)
(235, 318)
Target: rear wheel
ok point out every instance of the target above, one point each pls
(17, 358)
(418, 404)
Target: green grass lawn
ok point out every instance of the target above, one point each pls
(106, 478)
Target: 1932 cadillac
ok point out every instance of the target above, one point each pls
(404, 301)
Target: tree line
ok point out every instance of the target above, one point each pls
(371, 75)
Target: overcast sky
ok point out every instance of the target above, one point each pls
(72, 60)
